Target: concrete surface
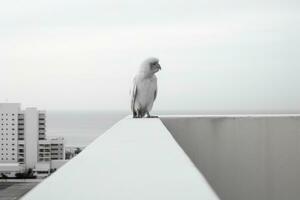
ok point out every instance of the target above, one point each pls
(135, 159)
(35, 180)
(254, 157)
(14, 191)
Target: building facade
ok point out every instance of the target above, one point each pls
(51, 149)
(23, 138)
(9, 133)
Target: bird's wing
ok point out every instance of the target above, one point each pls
(133, 95)
(155, 94)
(155, 91)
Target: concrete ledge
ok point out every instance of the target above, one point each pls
(135, 159)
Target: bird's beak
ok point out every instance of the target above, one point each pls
(158, 66)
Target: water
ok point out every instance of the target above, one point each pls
(80, 128)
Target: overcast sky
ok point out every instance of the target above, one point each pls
(215, 55)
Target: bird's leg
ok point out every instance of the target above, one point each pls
(134, 114)
(149, 116)
(138, 114)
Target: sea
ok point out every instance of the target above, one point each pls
(80, 128)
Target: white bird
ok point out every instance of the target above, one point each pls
(144, 90)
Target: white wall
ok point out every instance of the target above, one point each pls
(137, 159)
(31, 120)
(243, 158)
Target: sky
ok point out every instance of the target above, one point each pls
(215, 55)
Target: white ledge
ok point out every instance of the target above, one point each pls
(232, 116)
(135, 159)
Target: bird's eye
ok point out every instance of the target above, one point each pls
(153, 65)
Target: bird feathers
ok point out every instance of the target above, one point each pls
(133, 95)
(144, 89)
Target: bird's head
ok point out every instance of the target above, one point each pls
(150, 66)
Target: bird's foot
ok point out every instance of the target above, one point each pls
(136, 116)
(152, 116)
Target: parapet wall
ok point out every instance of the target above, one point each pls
(137, 159)
(243, 157)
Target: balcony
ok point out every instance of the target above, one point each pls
(185, 157)
(21, 127)
(42, 131)
(20, 137)
(21, 116)
(42, 115)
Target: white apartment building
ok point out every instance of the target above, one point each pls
(23, 138)
(51, 149)
(9, 133)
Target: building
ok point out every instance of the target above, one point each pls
(42, 169)
(51, 149)
(71, 152)
(10, 169)
(9, 132)
(23, 139)
(57, 148)
(51, 155)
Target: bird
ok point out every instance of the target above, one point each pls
(144, 89)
